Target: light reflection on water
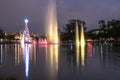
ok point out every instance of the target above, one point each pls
(26, 59)
(83, 56)
(78, 55)
(1, 53)
(55, 62)
(52, 61)
(90, 49)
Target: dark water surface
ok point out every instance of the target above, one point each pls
(58, 62)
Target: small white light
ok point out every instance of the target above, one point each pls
(26, 21)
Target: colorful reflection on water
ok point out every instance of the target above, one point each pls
(90, 49)
(58, 62)
(26, 59)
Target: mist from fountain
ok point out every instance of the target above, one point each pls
(52, 25)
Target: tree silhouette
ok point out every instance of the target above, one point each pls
(102, 24)
(1, 33)
(114, 27)
(69, 29)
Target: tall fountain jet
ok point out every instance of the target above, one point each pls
(82, 35)
(80, 44)
(77, 34)
(77, 44)
(52, 26)
(82, 40)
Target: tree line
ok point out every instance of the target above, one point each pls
(109, 29)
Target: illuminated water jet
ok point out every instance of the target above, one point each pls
(82, 36)
(22, 40)
(77, 44)
(52, 26)
(82, 40)
(80, 45)
(77, 34)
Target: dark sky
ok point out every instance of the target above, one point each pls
(13, 13)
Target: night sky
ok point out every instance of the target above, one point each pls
(13, 13)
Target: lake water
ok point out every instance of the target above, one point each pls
(59, 62)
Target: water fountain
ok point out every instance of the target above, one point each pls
(82, 40)
(22, 39)
(52, 26)
(77, 45)
(52, 38)
(82, 36)
(77, 34)
(80, 45)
